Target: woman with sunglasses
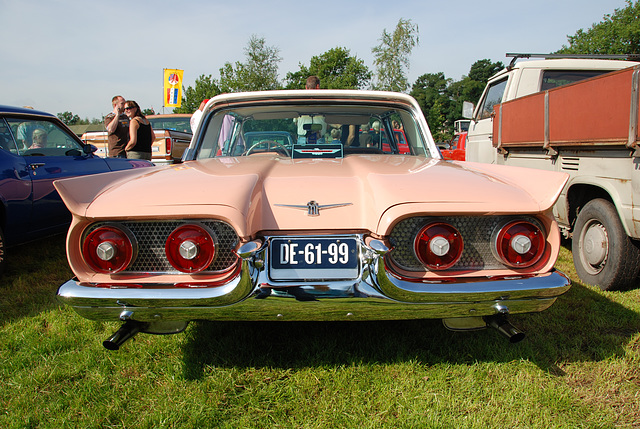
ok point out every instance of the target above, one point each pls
(141, 135)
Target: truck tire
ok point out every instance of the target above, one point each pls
(603, 254)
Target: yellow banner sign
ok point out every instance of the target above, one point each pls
(173, 87)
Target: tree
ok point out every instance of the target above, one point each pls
(431, 92)
(482, 70)
(68, 118)
(470, 87)
(437, 120)
(615, 34)
(336, 68)
(391, 56)
(258, 73)
(441, 98)
(205, 87)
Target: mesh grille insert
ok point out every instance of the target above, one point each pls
(477, 233)
(152, 236)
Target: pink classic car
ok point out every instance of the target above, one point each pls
(304, 227)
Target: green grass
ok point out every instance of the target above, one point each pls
(578, 367)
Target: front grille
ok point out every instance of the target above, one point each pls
(477, 234)
(152, 236)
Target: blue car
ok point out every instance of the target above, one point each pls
(36, 148)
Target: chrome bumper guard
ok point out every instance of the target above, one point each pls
(374, 295)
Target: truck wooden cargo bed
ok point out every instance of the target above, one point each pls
(599, 111)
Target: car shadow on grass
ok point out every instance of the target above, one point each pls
(583, 325)
(31, 278)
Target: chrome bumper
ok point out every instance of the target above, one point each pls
(375, 295)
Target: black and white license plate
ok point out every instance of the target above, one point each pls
(313, 258)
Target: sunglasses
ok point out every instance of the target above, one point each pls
(129, 107)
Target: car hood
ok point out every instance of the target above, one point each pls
(264, 193)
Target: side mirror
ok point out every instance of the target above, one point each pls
(467, 109)
(89, 148)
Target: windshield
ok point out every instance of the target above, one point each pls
(310, 131)
(167, 123)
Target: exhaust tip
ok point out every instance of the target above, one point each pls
(127, 331)
(110, 345)
(502, 325)
(517, 337)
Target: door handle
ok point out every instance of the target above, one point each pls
(36, 165)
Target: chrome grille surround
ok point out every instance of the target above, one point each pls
(478, 234)
(151, 237)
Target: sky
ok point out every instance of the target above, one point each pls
(75, 55)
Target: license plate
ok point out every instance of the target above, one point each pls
(313, 258)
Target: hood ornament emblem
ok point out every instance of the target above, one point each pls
(313, 208)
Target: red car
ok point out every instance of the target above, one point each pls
(401, 141)
(456, 151)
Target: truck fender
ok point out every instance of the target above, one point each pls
(580, 192)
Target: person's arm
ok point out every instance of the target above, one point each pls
(113, 124)
(133, 134)
(153, 134)
(352, 135)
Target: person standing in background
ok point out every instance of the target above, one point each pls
(308, 136)
(313, 82)
(117, 125)
(197, 116)
(141, 134)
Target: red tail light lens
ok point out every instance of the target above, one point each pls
(168, 143)
(190, 248)
(520, 244)
(108, 249)
(438, 246)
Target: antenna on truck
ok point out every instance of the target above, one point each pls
(627, 57)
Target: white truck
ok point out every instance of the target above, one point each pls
(579, 116)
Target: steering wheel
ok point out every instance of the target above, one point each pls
(278, 147)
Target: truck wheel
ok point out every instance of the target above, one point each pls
(603, 255)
